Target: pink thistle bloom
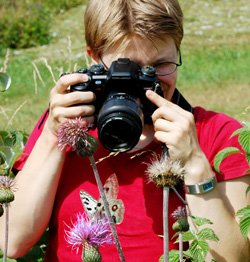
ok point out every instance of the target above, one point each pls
(7, 183)
(71, 132)
(93, 232)
(74, 133)
(179, 213)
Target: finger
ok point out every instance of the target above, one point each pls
(167, 113)
(61, 114)
(65, 81)
(157, 99)
(72, 98)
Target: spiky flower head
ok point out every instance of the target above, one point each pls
(74, 133)
(89, 234)
(180, 215)
(7, 187)
(165, 172)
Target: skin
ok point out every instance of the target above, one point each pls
(171, 125)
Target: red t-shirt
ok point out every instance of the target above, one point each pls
(141, 231)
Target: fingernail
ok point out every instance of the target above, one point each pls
(149, 93)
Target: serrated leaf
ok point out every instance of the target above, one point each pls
(17, 137)
(186, 236)
(239, 131)
(199, 249)
(244, 140)
(244, 220)
(222, 155)
(174, 256)
(207, 234)
(199, 221)
(5, 81)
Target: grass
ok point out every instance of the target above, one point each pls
(214, 75)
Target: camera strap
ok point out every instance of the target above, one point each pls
(179, 100)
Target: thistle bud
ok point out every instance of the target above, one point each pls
(7, 185)
(181, 225)
(90, 253)
(6, 196)
(87, 146)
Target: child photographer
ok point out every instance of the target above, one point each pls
(49, 180)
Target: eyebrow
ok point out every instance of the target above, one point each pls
(161, 60)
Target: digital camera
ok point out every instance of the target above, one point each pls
(121, 106)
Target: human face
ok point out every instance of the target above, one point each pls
(145, 52)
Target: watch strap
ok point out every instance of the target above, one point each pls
(202, 187)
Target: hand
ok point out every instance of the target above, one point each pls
(175, 127)
(65, 104)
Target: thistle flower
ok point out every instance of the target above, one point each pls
(89, 234)
(7, 187)
(180, 215)
(74, 133)
(164, 172)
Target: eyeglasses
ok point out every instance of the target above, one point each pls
(167, 68)
(163, 68)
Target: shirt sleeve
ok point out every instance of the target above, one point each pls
(31, 142)
(214, 131)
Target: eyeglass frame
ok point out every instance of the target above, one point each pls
(177, 64)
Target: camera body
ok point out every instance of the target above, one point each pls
(121, 106)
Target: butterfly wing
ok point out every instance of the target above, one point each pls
(89, 203)
(111, 187)
(116, 206)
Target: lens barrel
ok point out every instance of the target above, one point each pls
(119, 122)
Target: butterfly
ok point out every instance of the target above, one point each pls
(95, 208)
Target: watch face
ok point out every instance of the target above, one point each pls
(207, 186)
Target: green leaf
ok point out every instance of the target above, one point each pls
(17, 137)
(222, 155)
(2, 158)
(9, 153)
(199, 250)
(244, 220)
(207, 234)
(5, 139)
(186, 236)
(244, 140)
(173, 256)
(248, 160)
(199, 221)
(5, 81)
(248, 189)
(240, 131)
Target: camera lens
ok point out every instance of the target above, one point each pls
(119, 123)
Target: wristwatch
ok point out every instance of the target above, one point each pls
(202, 187)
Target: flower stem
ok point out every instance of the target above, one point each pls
(106, 206)
(6, 231)
(181, 245)
(165, 222)
(180, 197)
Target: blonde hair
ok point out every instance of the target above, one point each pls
(108, 22)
